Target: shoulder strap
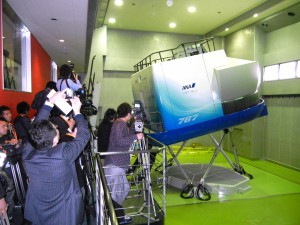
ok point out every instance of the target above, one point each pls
(66, 83)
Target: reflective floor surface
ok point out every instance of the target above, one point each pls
(274, 197)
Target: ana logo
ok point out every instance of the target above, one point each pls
(189, 86)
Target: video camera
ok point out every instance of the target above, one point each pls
(9, 149)
(8, 152)
(87, 107)
(139, 115)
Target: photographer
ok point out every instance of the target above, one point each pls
(68, 79)
(11, 135)
(116, 165)
(8, 137)
(54, 195)
(6, 186)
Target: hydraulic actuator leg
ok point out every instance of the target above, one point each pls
(201, 192)
(237, 166)
(188, 190)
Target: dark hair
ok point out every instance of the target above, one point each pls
(3, 108)
(3, 119)
(42, 133)
(110, 114)
(55, 112)
(23, 107)
(51, 85)
(65, 71)
(60, 123)
(123, 110)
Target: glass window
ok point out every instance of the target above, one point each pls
(298, 69)
(287, 70)
(16, 52)
(271, 72)
(54, 71)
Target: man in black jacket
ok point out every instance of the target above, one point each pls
(22, 122)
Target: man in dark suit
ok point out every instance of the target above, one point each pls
(54, 195)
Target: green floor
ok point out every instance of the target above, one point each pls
(274, 198)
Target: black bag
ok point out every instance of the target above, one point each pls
(40, 99)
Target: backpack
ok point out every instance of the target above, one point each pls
(40, 99)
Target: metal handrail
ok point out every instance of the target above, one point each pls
(160, 146)
(107, 197)
(148, 60)
(109, 215)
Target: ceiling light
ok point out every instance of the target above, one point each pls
(169, 3)
(172, 25)
(255, 15)
(61, 40)
(191, 9)
(118, 2)
(112, 20)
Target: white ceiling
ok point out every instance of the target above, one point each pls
(76, 20)
(71, 26)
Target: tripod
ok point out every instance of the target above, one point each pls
(16, 190)
(89, 177)
(18, 181)
(20, 184)
(144, 160)
(4, 220)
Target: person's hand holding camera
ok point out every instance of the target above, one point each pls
(76, 105)
(140, 136)
(58, 96)
(12, 141)
(75, 76)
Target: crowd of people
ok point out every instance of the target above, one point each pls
(48, 148)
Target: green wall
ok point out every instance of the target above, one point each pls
(282, 142)
(248, 138)
(273, 137)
